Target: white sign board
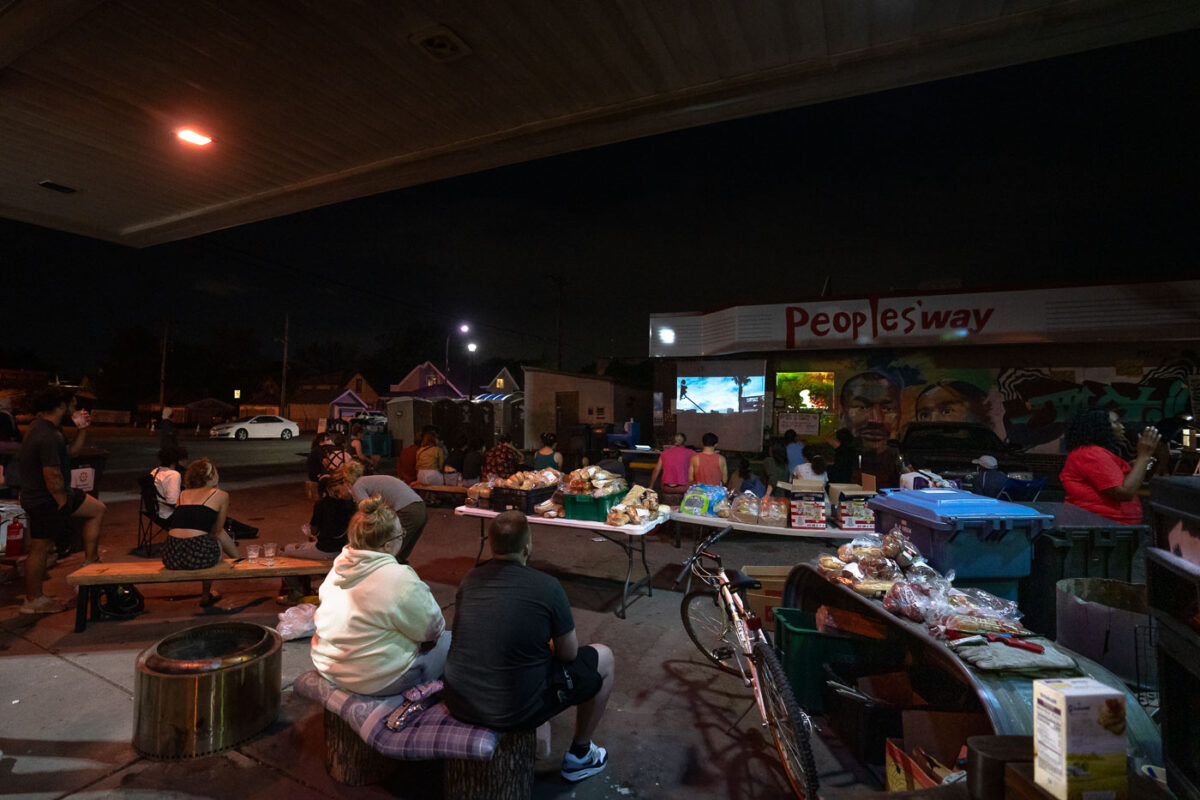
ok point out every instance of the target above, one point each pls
(804, 424)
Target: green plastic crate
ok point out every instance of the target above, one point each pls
(586, 507)
(804, 651)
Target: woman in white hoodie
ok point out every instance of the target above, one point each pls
(379, 630)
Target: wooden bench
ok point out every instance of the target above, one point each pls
(457, 494)
(89, 579)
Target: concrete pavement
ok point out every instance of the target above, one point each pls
(674, 728)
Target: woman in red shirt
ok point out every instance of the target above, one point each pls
(1097, 479)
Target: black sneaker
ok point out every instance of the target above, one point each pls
(576, 769)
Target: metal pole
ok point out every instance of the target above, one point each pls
(162, 369)
(283, 380)
(446, 363)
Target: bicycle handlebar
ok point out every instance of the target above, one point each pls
(700, 548)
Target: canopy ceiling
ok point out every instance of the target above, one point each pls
(311, 102)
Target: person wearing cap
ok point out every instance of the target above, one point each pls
(989, 480)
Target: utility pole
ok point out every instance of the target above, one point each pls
(283, 380)
(162, 369)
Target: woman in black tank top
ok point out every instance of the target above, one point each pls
(197, 537)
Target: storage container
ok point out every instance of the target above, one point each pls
(1079, 544)
(987, 542)
(804, 652)
(586, 507)
(1173, 585)
(522, 500)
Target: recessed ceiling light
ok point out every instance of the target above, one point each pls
(192, 137)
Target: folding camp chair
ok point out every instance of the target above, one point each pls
(149, 523)
(1015, 489)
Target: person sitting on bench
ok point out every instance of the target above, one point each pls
(197, 537)
(515, 661)
(379, 629)
(326, 531)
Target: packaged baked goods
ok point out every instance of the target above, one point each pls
(773, 511)
(743, 507)
(594, 481)
(860, 547)
(879, 568)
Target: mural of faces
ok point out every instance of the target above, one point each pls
(871, 409)
(952, 401)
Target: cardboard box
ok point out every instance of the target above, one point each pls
(1079, 740)
(764, 601)
(903, 773)
(942, 734)
(849, 504)
(808, 504)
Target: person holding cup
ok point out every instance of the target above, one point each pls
(197, 538)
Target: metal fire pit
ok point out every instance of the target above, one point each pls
(206, 689)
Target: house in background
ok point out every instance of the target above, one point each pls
(308, 407)
(339, 381)
(503, 383)
(425, 381)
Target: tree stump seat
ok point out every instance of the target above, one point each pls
(475, 762)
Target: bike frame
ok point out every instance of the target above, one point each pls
(739, 618)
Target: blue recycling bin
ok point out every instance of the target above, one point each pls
(987, 542)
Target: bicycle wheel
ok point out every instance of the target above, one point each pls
(788, 723)
(709, 629)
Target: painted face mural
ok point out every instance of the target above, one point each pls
(871, 409)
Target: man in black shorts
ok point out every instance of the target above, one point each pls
(514, 659)
(46, 493)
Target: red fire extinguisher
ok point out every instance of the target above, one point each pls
(16, 538)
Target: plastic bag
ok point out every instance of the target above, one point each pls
(861, 546)
(703, 499)
(773, 511)
(297, 622)
(743, 507)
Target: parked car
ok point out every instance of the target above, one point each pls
(264, 426)
(949, 448)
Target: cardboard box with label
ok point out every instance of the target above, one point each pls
(1079, 740)
(764, 601)
(849, 504)
(808, 504)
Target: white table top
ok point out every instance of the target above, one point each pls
(583, 524)
(829, 532)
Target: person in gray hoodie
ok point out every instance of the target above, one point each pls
(379, 630)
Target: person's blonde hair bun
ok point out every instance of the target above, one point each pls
(373, 525)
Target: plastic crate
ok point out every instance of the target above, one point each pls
(522, 500)
(1080, 544)
(804, 652)
(987, 542)
(586, 507)
(1173, 585)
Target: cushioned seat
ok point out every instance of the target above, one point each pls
(431, 734)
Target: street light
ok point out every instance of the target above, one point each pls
(464, 328)
(471, 348)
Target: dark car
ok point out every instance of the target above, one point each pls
(949, 448)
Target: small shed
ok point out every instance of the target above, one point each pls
(309, 406)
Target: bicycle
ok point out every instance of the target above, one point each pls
(731, 636)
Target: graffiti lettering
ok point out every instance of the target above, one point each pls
(803, 325)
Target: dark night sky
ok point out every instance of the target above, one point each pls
(1079, 169)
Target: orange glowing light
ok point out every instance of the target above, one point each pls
(192, 137)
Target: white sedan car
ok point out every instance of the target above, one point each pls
(264, 426)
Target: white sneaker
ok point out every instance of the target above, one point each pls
(576, 769)
(43, 605)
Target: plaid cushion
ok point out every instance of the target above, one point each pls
(431, 734)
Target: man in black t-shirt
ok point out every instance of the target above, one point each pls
(514, 658)
(47, 496)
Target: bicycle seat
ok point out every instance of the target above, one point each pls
(739, 580)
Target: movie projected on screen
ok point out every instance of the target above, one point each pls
(726, 398)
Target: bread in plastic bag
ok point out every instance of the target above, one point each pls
(744, 507)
